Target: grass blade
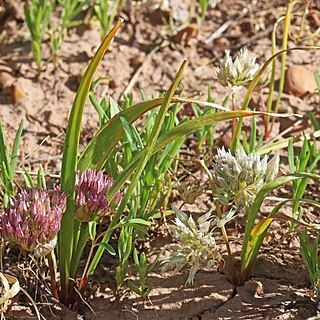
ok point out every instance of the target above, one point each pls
(69, 164)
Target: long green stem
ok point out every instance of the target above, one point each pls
(233, 96)
(284, 54)
(218, 208)
(305, 12)
(273, 75)
(83, 238)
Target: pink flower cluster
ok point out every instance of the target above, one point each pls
(91, 189)
(33, 217)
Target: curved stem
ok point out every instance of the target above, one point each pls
(233, 108)
(82, 281)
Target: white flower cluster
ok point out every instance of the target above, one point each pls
(237, 179)
(196, 245)
(239, 72)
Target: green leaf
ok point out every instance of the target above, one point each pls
(137, 221)
(92, 225)
(283, 143)
(132, 135)
(41, 180)
(134, 288)
(101, 113)
(251, 245)
(15, 148)
(66, 243)
(107, 247)
(27, 178)
(136, 258)
(253, 135)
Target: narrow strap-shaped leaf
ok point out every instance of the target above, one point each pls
(247, 261)
(15, 148)
(283, 143)
(69, 163)
(99, 148)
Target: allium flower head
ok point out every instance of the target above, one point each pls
(33, 217)
(239, 72)
(91, 194)
(196, 245)
(237, 179)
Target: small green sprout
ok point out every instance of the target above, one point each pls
(38, 14)
(309, 249)
(70, 9)
(105, 11)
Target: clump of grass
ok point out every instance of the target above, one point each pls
(70, 9)
(106, 11)
(38, 14)
(309, 249)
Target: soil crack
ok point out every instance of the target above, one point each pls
(216, 307)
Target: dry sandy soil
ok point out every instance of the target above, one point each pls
(279, 286)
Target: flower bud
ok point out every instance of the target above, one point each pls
(91, 189)
(237, 179)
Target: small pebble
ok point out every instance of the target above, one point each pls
(184, 35)
(299, 81)
(113, 84)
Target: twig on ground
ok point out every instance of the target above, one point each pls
(218, 33)
(137, 73)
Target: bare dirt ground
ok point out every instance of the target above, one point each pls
(279, 286)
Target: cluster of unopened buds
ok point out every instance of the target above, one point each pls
(91, 195)
(240, 71)
(33, 217)
(238, 178)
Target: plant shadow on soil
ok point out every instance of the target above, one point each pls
(275, 291)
